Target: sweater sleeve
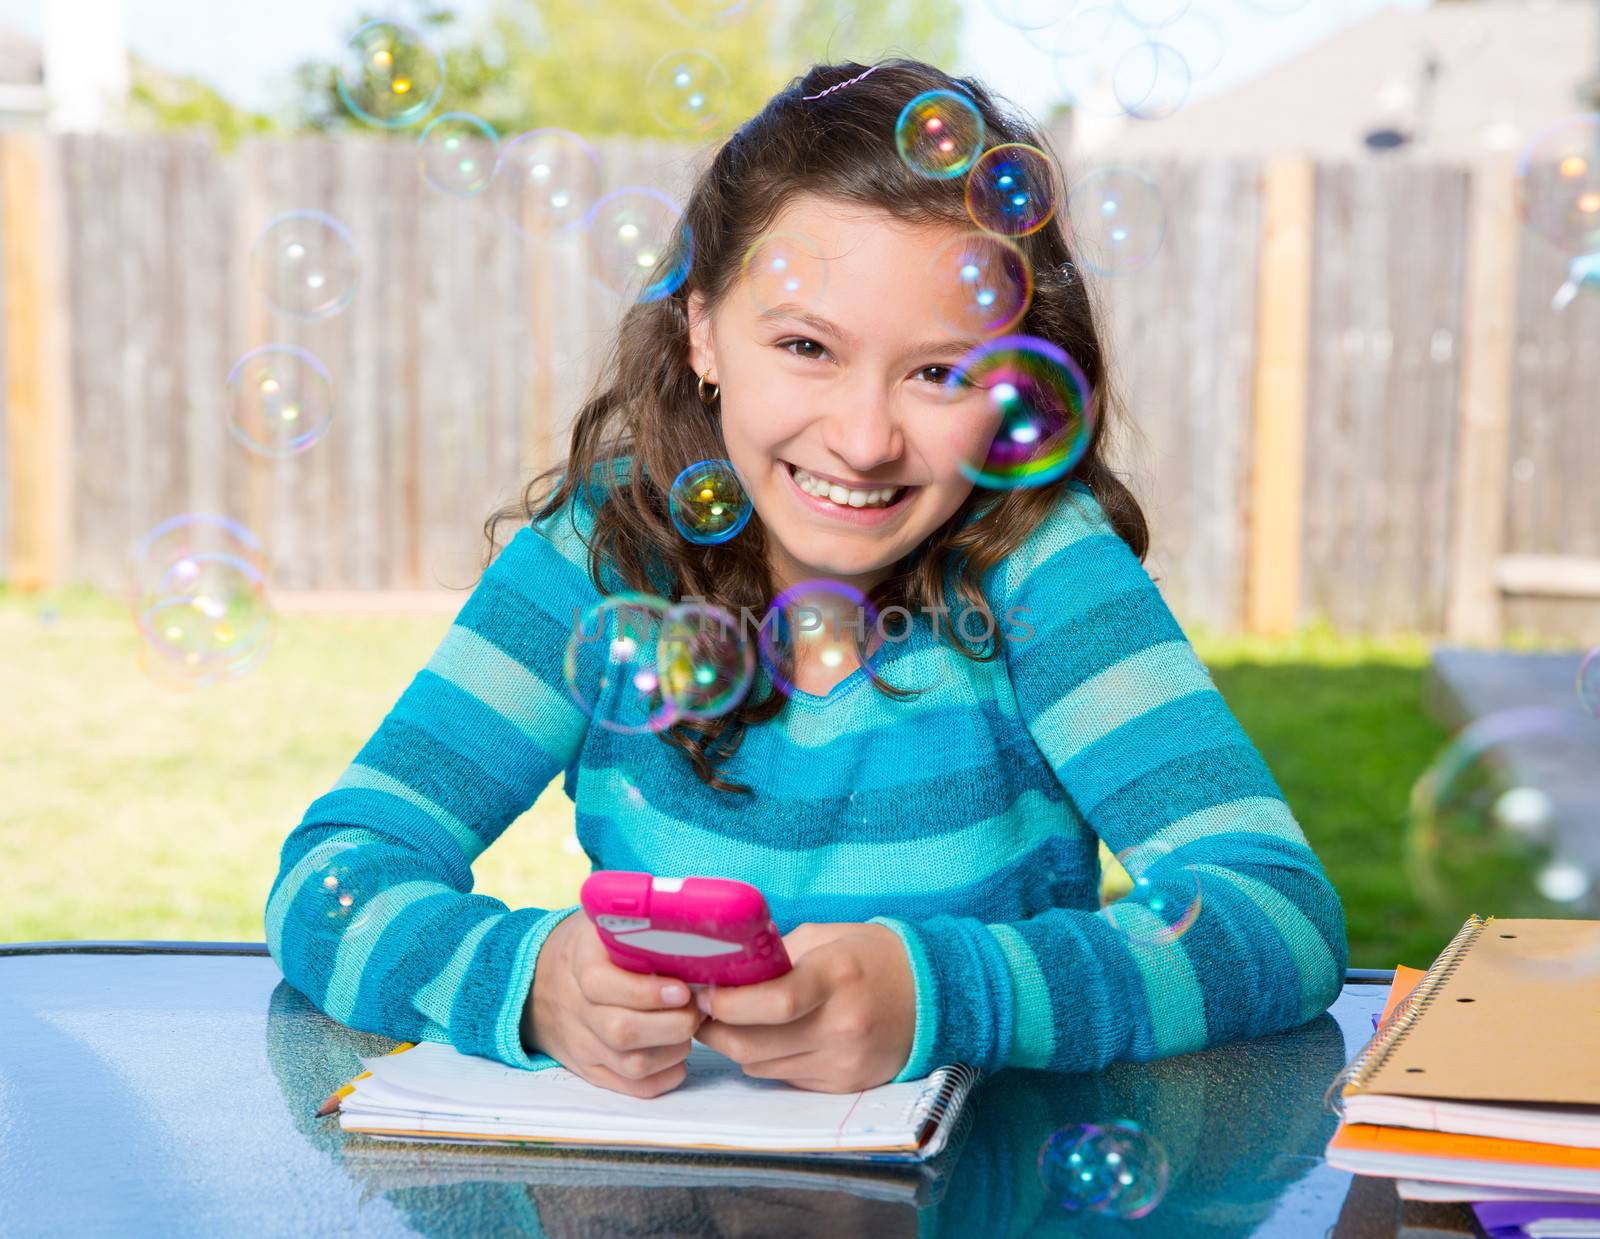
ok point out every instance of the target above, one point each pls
(371, 915)
(1233, 929)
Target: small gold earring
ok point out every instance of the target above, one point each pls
(700, 387)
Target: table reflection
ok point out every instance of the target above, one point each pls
(1207, 1144)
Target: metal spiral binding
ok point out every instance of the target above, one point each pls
(932, 1101)
(1393, 1030)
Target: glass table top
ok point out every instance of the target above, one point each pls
(176, 1093)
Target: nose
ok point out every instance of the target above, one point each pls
(863, 431)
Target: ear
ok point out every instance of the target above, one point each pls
(702, 350)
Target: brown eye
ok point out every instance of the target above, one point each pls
(789, 346)
(948, 376)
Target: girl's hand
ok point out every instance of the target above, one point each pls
(626, 1031)
(841, 1020)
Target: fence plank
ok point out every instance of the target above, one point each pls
(1272, 589)
(38, 420)
(1480, 485)
(204, 278)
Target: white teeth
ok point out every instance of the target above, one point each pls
(813, 485)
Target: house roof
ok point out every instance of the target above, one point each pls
(1504, 69)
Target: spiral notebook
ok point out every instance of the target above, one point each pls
(432, 1092)
(1487, 1071)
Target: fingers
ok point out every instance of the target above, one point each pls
(621, 1029)
(605, 984)
(781, 1000)
(638, 1065)
(643, 1064)
(652, 1085)
(793, 1070)
(752, 1043)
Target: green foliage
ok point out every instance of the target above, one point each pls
(577, 64)
(582, 65)
(170, 104)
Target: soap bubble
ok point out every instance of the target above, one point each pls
(1491, 827)
(388, 75)
(983, 283)
(168, 550)
(197, 591)
(1582, 272)
(305, 264)
(218, 630)
(708, 504)
(547, 181)
(1201, 39)
(1116, 1169)
(1030, 14)
(1042, 403)
(1154, 12)
(279, 400)
(1086, 51)
(1559, 177)
(784, 268)
(638, 245)
(706, 664)
(1589, 681)
(611, 665)
(1150, 81)
(1107, 65)
(687, 91)
(1118, 220)
(457, 152)
(821, 621)
(341, 891)
(1525, 811)
(939, 134)
(1102, 32)
(1011, 189)
(1164, 903)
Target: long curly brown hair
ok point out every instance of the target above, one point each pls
(644, 406)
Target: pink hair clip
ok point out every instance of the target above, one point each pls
(842, 85)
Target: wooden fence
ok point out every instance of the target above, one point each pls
(1350, 398)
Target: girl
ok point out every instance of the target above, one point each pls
(923, 820)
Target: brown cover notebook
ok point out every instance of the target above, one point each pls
(1510, 1012)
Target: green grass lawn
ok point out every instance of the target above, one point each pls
(133, 811)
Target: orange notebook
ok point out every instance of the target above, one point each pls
(1512, 1077)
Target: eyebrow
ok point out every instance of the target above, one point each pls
(816, 322)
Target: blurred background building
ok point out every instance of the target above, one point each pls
(1453, 82)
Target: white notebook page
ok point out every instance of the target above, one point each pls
(716, 1097)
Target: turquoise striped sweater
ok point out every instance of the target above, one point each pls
(964, 818)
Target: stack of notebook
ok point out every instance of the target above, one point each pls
(1482, 1081)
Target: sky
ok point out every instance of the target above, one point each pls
(247, 51)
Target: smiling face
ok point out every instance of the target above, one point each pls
(835, 409)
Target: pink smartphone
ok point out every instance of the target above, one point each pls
(705, 931)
